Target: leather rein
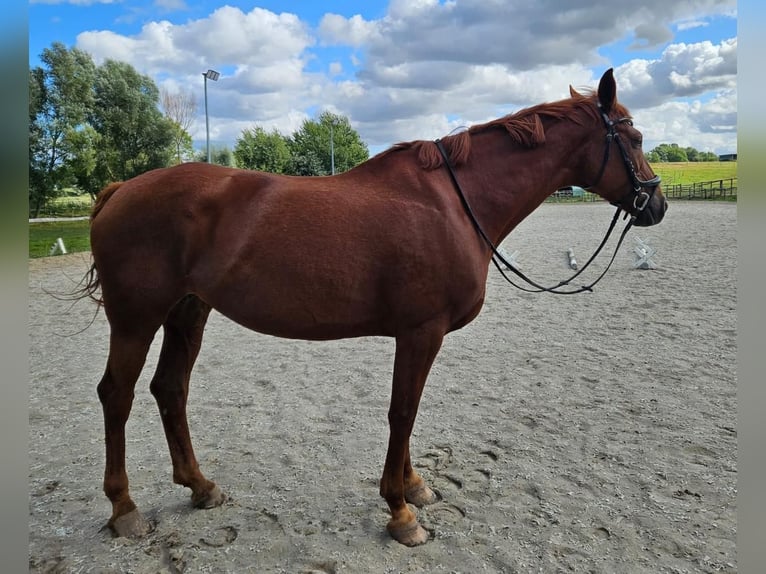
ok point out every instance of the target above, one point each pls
(640, 201)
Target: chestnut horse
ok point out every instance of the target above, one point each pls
(398, 250)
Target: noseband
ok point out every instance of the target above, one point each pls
(641, 199)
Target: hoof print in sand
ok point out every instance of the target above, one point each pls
(220, 537)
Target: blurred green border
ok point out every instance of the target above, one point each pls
(751, 290)
(14, 424)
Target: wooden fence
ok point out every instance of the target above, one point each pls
(715, 189)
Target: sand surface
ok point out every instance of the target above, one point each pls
(585, 433)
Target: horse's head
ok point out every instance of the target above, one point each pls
(622, 175)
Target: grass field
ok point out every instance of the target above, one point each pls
(42, 236)
(694, 172)
(75, 235)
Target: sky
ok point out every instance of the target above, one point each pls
(403, 70)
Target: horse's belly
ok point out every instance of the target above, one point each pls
(299, 320)
(300, 306)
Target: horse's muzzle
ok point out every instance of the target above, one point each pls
(651, 211)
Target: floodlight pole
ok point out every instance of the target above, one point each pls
(332, 148)
(213, 75)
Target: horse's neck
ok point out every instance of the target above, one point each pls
(504, 187)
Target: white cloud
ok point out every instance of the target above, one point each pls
(690, 24)
(427, 66)
(354, 31)
(683, 70)
(704, 126)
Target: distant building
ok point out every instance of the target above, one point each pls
(728, 157)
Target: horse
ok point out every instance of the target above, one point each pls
(395, 254)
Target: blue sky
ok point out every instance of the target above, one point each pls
(416, 69)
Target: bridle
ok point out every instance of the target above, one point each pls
(641, 199)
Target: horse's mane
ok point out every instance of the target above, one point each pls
(524, 126)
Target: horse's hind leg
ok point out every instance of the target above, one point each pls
(127, 354)
(183, 330)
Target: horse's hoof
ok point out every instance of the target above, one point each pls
(410, 534)
(420, 495)
(209, 499)
(130, 525)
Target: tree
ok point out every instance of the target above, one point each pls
(307, 163)
(134, 132)
(346, 150)
(222, 156)
(218, 155)
(60, 96)
(673, 152)
(84, 165)
(676, 153)
(180, 107)
(257, 149)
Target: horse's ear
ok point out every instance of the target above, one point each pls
(572, 92)
(607, 91)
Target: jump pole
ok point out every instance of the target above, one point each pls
(572, 260)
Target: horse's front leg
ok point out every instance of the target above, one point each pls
(415, 353)
(416, 491)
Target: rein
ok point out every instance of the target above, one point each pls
(497, 257)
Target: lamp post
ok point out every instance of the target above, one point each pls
(333, 123)
(212, 75)
(332, 148)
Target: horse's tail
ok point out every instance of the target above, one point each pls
(103, 197)
(90, 283)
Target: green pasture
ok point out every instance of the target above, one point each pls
(76, 238)
(74, 234)
(694, 172)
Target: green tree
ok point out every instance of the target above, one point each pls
(136, 135)
(676, 153)
(180, 107)
(84, 165)
(307, 163)
(673, 152)
(332, 140)
(660, 152)
(653, 157)
(218, 155)
(263, 151)
(183, 145)
(222, 156)
(60, 97)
